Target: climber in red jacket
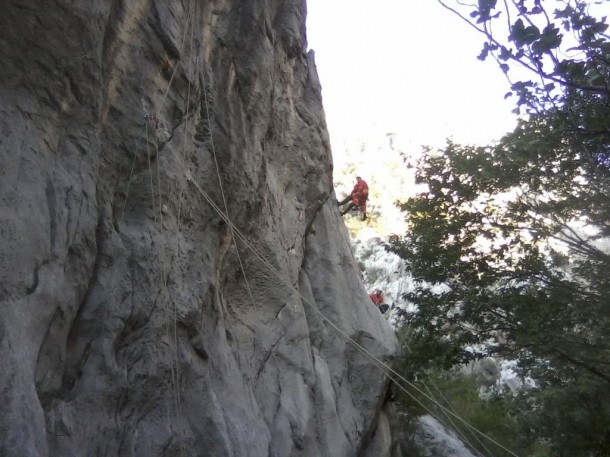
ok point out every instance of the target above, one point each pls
(358, 197)
(377, 299)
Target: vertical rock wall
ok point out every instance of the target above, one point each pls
(133, 320)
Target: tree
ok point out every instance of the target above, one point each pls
(559, 43)
(517, 232)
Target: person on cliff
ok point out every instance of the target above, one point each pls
(358, 197)
(377, 299)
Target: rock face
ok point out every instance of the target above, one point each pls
(170, 245)
(432, 439)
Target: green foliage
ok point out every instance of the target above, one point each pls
(492, 416)
(560, 43)
(489, 230)
(515, 232)
(572, 414)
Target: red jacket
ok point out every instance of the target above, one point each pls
(361, 188)
(360, 194)
(377, 298)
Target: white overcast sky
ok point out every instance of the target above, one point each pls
(407, 67)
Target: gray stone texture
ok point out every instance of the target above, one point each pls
(133, 320)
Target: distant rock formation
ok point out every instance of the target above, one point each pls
(133, 320)
(432, 439)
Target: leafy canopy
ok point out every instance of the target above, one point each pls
(517, 232)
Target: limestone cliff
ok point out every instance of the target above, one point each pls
(135, 135)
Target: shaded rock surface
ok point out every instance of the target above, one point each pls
(133, 320)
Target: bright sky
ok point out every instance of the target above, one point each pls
(404, 66)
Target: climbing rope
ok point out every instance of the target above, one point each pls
(172, 321)
(222, 193)
(448, 403)
(455, 427)
(161, 133)
(186, 118)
